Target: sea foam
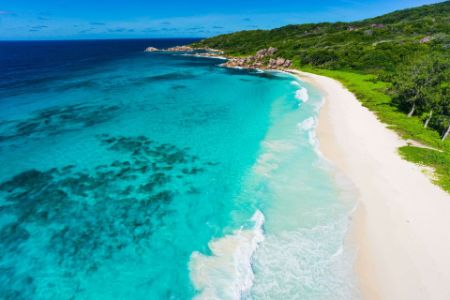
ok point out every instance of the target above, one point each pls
(307, 124)
(302, 94)
(295, 83)
(227, 273)
(268, 160)
(311, 262)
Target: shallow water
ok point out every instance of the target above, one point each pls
(134, 175)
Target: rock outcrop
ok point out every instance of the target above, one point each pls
(180, 49)
(263, 59)
(377, 25)
(151, 49)
(426, 39)
(260, 54)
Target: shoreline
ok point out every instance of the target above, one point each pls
(400, 227)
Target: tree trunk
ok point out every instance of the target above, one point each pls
(428, 120)
(413, 108)
(447, 132)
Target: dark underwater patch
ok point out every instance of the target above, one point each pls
(179, 87)
(60, 119)
(198, 62)
(201, 116)
(169, 76)
(250, 72)
(174, 76)
(90, 215)
(84, 84)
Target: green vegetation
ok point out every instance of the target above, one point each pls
(373, 94)
(396, 64)
(439, 161)
(373, 45)
(422, 88)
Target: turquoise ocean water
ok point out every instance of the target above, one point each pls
(165, 176)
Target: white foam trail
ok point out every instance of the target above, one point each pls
(296, 83)
(227, 273)
(302, 94)
(268, 161)
(307, 124)
(312, 138)
(311, 262)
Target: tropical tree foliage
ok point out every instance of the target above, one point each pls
(421, 88)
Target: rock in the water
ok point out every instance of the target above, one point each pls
(151, 49)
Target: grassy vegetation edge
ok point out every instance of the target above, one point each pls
(372, 93)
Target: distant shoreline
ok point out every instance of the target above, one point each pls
(400, 227)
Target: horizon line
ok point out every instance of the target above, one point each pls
(101, 39)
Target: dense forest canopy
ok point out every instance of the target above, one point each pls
(402, 48)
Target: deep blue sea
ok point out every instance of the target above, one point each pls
(133, 175)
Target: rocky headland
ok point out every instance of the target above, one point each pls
(263, 59)
(151, 49)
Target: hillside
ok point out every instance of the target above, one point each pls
(397, 64)
(373, 45)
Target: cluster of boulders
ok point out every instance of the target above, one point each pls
(260, 54)
(180, 49)
(279, 62)
(263, 59)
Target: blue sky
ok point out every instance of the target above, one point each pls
(87, 19)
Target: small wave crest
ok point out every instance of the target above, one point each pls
(307, 124)
(227, 273)
(268, 160)
(302, 94)
(296, 83)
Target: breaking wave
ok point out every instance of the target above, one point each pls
(227, 273)
(302, 94)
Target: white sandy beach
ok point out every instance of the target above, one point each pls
(402, 224)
